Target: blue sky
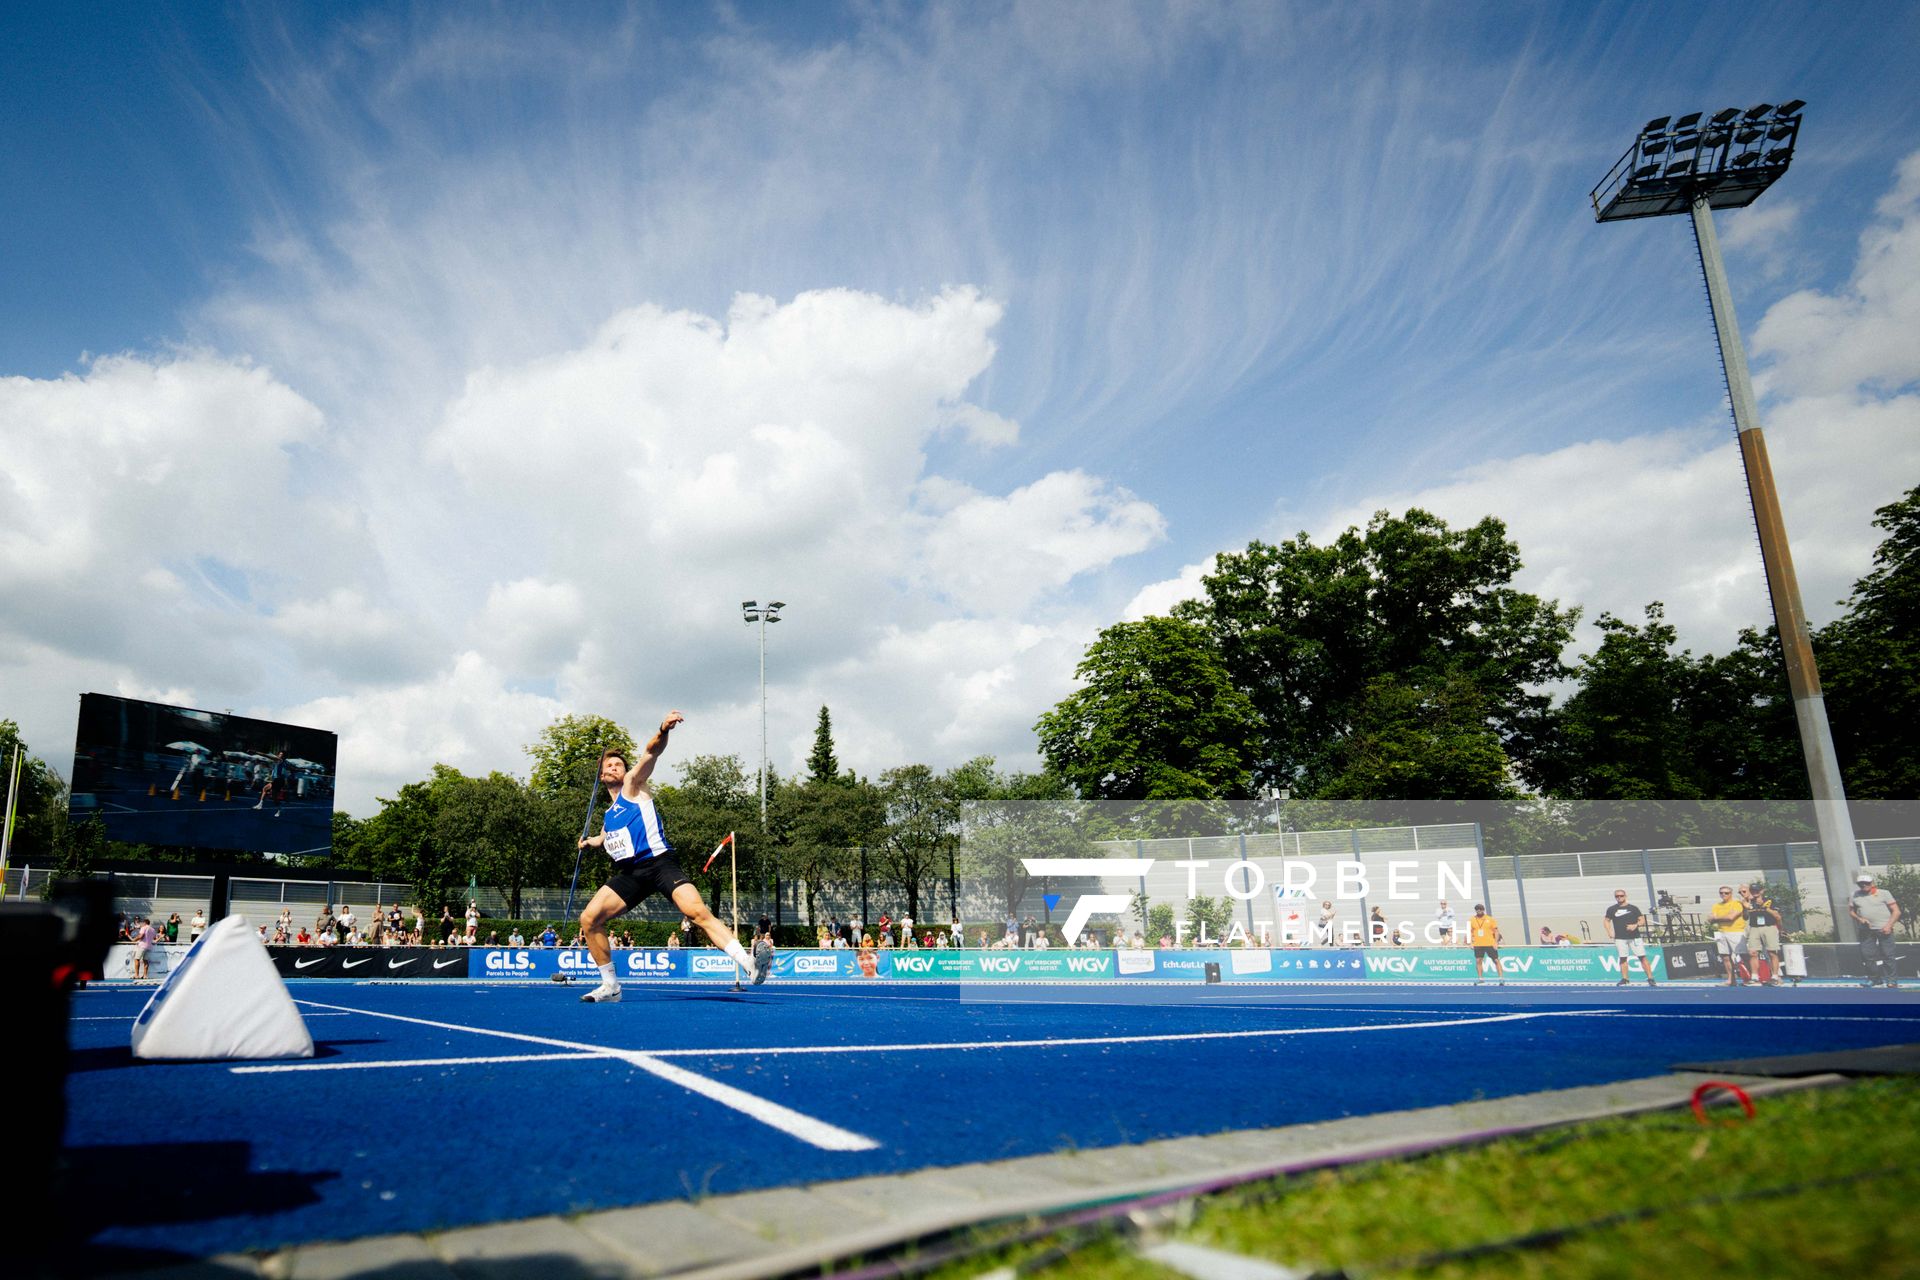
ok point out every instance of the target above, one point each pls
(426, 372)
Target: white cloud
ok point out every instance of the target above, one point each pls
(1613, 524)
(999, 555)
(464, 716)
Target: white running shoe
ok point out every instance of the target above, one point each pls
(602, 994)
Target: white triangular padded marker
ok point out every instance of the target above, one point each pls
(223, 1000)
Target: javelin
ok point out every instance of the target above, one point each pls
(586, 823)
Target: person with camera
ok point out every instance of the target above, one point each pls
(1623, 922)
(1763, 936)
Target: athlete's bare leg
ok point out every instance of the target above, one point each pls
(694, 908)
(600, 910)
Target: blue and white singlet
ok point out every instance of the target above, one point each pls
(633, 829)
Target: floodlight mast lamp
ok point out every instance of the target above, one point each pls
(1680, 165)
(753, 611)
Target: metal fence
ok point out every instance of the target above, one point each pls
(1563, 892)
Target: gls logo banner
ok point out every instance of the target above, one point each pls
(647, 964)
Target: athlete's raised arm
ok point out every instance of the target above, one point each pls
(651, 753)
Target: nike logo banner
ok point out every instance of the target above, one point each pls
(366, 962)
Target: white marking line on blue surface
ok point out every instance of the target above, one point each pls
(588, 1051)
(817, 1133)
(1172, 1037)
(272, 1068)
(129, 1017)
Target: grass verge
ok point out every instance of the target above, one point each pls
(1821, 1182)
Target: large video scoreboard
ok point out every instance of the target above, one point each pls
(159, 774)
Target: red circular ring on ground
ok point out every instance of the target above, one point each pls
(1722, 1086)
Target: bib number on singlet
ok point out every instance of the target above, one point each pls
(620, 844)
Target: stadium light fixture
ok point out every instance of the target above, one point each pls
(1713, 176)
(752, 611)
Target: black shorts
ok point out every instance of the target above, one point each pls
(1486, 953)
(635, 879)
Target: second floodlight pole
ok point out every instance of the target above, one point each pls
(1838, 856)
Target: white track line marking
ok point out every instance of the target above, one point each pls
(1171, 1037)
(814, 1132)
(581, 1051)
(271, 1068)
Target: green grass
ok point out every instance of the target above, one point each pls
(1821, 1182)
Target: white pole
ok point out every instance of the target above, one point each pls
(6, 834)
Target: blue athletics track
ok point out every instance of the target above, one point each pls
(442, 1104)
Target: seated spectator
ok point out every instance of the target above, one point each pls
(493, 937)
(549, 938)
(673, 941)
(303, 938)
(514, 939)
(942, 941)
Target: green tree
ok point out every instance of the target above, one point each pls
(824, 823)
(1157, 717)
(40, 804)
(1649, 721)
(1623, 734)
(922, 819)
(566, 756)
(1419, 742)
(505, 832)
(1867, 662)
(714, 796)
(1008, 818)
(1306, 630)
(821, 764)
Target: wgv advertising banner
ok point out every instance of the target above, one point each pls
(1517, 964)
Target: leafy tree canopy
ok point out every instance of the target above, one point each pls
(1157, 717)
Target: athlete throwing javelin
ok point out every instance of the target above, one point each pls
(643, 863)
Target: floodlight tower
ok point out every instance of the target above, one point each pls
(1686, 165)
(752, 611)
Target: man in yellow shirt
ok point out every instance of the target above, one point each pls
(1729, 919)
(1484, 932)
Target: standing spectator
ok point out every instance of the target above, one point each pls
(1729, 919)
(1623, 922)
(286, 920)
(958, 934)
(1875, 912)
(419, 925)
(396, 922)
(345, 923)
(143, 940)
(1323, 925)
(473, 916)
(1026, 932)
(446, 924)
(173, 927)
(549, 938)
(1484, 932)
(323, 925)
(762, 951)
(515, 939)
(1376, 928)
(1013, 928)
(906, 928)
(196, 926)
(1446, 924)
(1763, 935)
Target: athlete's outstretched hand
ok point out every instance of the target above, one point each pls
(673, 719)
